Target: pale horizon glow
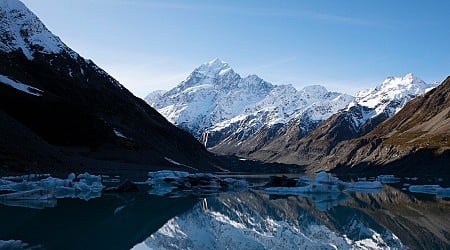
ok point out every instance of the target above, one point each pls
(343, 46)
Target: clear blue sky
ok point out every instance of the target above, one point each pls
(342, 45)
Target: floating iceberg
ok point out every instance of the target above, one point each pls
(167, 182)
(326, 190)
(44, 187)
(364, 186)
(387, 179)
(322, 197)
(16, 244)
(437, 190)
(35, 204)
(326, 183)
(35, 194)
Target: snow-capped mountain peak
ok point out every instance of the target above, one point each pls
(409, 81)
(387, 98)
(22, 30)
(393, 88)
(215, 98)
(214, 68)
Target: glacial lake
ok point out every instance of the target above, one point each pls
(387, 218)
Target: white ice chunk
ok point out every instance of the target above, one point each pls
(39, 187)
(165, 174)
(364, 186)
(437, 190)
(167, 181)
(37, 194)
(14, 244)
(388, 179)
(326, 190)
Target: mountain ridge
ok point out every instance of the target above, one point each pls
(87, 118)
(282, 116)
(214, 102)
(409, 142)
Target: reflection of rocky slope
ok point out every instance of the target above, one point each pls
(111, 222)
(51, 97)
(255, 221)
(420, 224)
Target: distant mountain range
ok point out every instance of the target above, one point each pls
(59, 111)
(369, 109)
(414, 140)
(251, 118)
(230, 114)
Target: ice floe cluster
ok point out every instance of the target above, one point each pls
(437, 190)
(22, 190)
(325, 183)
(175, 183)
(326, 190)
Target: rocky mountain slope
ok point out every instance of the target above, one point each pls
(414, 140)
(229, 113)
(74, 113)
(369, 108)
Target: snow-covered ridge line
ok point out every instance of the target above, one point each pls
(20, 86)
(217, 105)
(387, 98)
(214, 97)
(24, 31)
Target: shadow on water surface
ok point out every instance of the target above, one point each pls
(109, 222)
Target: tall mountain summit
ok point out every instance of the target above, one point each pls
(62, 111)
(230, 113)
(252, 118)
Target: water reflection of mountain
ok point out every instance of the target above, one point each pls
(420, 221)
(255, 220)
(110, 222)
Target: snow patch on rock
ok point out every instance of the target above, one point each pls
(20, 86)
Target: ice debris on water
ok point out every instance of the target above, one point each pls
(167, 182)
(18, 190)
(16, 244)
(326, 183)
(388, 179)
(325, 189)
(437, 190)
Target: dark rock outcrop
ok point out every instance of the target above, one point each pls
(74, 115)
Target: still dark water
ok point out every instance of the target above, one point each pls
(391, 218)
